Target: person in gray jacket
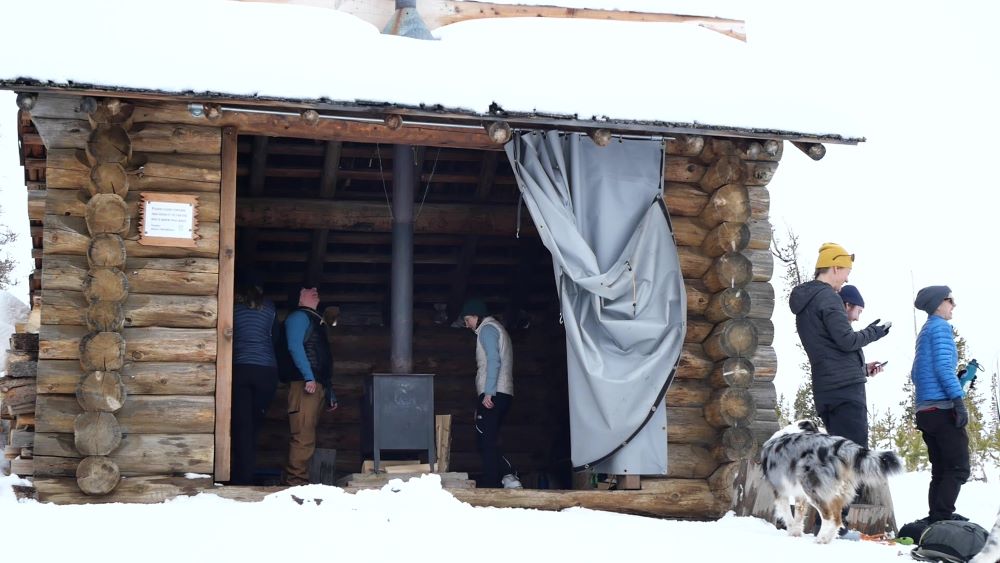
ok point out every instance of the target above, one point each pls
(837, 364)
(495, 386)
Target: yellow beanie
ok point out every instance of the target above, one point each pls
(832, 254)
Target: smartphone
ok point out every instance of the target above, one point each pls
(882, 364)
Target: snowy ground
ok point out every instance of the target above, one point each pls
(422, 522)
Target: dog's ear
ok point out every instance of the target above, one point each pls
(808, 426)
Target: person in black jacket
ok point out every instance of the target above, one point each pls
(837, 364)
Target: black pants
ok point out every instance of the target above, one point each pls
(948, 450)
(488, 423)
(845, 413)
(253, 389)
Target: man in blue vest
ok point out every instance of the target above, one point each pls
(309, 381)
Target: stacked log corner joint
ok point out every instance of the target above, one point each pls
(17, 404)
(100, 391)
(723, 237)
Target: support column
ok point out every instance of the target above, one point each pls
(401, 298)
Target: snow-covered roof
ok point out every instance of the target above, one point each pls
(648, 76)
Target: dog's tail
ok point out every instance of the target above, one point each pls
(871, 464)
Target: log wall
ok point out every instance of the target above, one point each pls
(150, 318)
(128, 344)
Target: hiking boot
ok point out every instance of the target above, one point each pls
(510, 481)
(848, 534)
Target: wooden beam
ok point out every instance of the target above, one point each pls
(227, 259)
(317, 257)
(440, 218)
(331, 166)
(439, 13)
(258, 164)
(460, 279)
(487, 174)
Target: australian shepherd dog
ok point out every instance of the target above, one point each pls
(806, 466)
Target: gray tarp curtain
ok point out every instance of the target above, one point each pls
(599, 211)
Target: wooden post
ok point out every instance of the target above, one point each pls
(224, 352)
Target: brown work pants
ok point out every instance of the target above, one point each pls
(303, 414)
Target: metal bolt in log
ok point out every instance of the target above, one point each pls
(393, 121)
(96, 433)
(102, 351)
(106, 250)
(108, 178)
(26, 100)
(105, 284)
(105, 316)
(499, 132)
(101, 391)
(97, 475)
(107, 213)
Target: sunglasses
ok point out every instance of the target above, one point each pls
(950, 300)
(851, 256)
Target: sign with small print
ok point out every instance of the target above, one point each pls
(168, 219)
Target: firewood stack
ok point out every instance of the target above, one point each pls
(17, 402)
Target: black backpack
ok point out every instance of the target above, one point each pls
(952, 541)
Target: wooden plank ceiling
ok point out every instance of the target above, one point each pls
(319, 211)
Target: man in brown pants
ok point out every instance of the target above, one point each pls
(309, 348)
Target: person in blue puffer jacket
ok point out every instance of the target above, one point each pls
(941, 413)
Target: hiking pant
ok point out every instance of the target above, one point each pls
(303, 414)
(948, 450)
(488, 423)
(253, 389)
(845, 413)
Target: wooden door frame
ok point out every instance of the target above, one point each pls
(224, 329)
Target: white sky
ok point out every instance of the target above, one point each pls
(916, 203)
(422, 523)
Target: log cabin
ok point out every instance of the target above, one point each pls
(135, 344)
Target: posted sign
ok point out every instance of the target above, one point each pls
(168, 219)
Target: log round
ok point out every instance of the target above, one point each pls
(730, 406)
(698, 330)
(732, 372)
(684, 200)
(26, 100)
(729, 270)
(111, 111)
(108, 178)
(730, 303)
(726, 170)
(688, 231)
(735, 444)
(107, 213)
(105, 284)
(102, 351)
(685, 145)
(722, 482)
(101, 391)
(694, 263)
(726, 237)
(761, 233)
(765, 331)
(96, 433)
(734, 338)
(106, 251)
(109, 144)
(105, 316)
(97, 475)
(729, 203)
(762, 264)
(760, 202)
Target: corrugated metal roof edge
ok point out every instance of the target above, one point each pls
(438, 114)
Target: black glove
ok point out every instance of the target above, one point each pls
(961, 413)
(876, 330)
